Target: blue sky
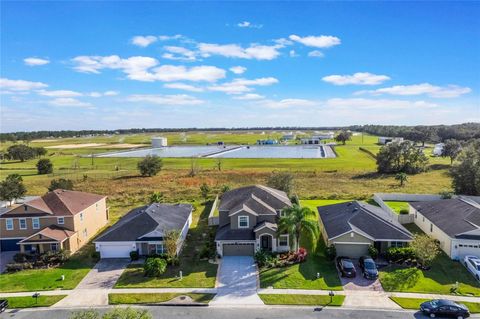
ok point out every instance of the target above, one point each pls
(107, 65)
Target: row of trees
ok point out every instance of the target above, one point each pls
(22, 152)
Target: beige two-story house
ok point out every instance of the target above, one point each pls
(58, 220)
(248, 219)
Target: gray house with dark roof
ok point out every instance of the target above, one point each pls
(143, 230)
(354, 226)
(248, 219)
(455, 223)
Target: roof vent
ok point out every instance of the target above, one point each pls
(354, 209)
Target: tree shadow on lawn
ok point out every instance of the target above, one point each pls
(371, 175)
(399, 278)
(435, 167)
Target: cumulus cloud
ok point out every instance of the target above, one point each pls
(254, 51)
(59, 93)
(183, 86)
(178, 99)
(449, 91)
(322, 41)
(110, 93)
(247, 24)
(359, 78)
(68, 101)
(316, 54)
(171, 73)
(35, 61)
(386, 104)
(249, 97)
(288, 103)
(179, 53)
(170, 37)
(20, 85)
(143, 41)
(238, 69)
(239, 86)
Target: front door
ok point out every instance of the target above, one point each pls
(266, 243)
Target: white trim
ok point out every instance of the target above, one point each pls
(350, 243)
(245, 209)
(248, 222)
(262, 227)
(8, 238)
(11, 224)
(20, 224)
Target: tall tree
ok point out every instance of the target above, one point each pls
(151, 165)
(298, 221)
(452, 149)
(425, 248)
(343, 137)
(281, 180)
(401, 157)
(21, 152)
(466, 174)
(12, 188)
(171, 238)
(44, 166)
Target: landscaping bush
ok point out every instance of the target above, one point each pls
(266, 259)
(154, 267)
(54, 257)
(134, 255)
(95, 255)
(173, 261)
(331, 252)
(20, 258)
(14, 267)
(404, 211)
(373, 252)
(398, 254)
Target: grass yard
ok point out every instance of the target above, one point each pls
(438, 280)
(301, 300)
(50, 279)
(29, 302)
(152, 298)
(397, 206)
(414, 303)
(314, 203)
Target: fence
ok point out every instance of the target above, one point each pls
(213, 220)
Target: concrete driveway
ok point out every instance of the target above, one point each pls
(237, 282)
(5, 258)
(359, 282)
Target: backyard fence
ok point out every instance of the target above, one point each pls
(213, 220)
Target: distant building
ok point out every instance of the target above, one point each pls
(438, 149)
(159, 142)
(311, 141)
(288, 137)
(385, 140)
(324, 136)
(267, 142)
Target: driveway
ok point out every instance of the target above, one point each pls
(93, 289)
(5, 258)
(359, 282)
(237, 281)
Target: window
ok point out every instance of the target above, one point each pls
(242, 221)
(398, 244)
(283, 213)
(25, 208)
(54, 246)
(23, 223)
(81, 216)
(283, 240)
(61, 220)
(9, 223)
(36, 223)
(159, 249)
(85, 233)
(431, 227)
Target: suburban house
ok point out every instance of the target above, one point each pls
(385, 140)
(267, 142)
(61, 219)
(354, 226)
(455, 223)
(248, 219)
(143, 230)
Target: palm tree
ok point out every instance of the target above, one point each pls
(295, 221)
(402, 178)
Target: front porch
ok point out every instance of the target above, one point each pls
(51, 238)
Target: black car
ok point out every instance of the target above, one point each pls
(443, 307)
(368, 267)
(3, 305)
(346, 267)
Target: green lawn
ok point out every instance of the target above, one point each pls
(49, 279)
(397, 206)
(414, 303)
(439, 279)
(152, 298)
(314, 203)
(29, 302)
(301, 300)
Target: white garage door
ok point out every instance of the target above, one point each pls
(468, 249)
(115, 251)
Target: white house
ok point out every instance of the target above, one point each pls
(438, 149)
(382, 140)
(159, 142)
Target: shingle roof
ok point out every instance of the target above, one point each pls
(225, 233)
(142, 221)
(54, 232)
(272, 226)
(370, 220)
(453, 216)
(256, 197)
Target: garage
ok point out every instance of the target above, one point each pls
(351, 250)
(115, 250)
(466, 248)
(238, 249)
(9, 244)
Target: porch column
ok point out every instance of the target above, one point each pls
(22, 249)
(274, 244)
(40, 249)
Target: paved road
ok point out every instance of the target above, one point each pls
(159, 312)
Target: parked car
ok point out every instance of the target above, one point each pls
(368, 267)
(473, 265)
(3, 305)
(346, 267)
(443, 307)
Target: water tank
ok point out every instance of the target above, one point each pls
(159, 142)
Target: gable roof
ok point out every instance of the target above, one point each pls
(147, 222)
(367, 220)
(454, 216)
(52, 232)
(59, 202)
(261, 199)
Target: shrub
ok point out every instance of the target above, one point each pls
(134, 255)
(266, 259)
(60, 183)
(404, 211)
(14, 267)
(331, 252)
(150, 165)
(54, 257)
(373, 252)
(397, 254)
(154, 267)
(44, 166)
(20, 258)
(95, 255)
(173, 261)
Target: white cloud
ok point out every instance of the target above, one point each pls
(110, 93)
(238, 86)
(434, 91)
(68, 101)
(238, 69)
(179, 53)
(249, 96)
(59, 93)
(359, 78)
(179, 99)
(143, 41)
(35, 61)
(20, 85)
(385, 104)
(247, 24)
(183, 86)
(292, 54)
(322, 41)
(170, 37)
(254, 51)
(316, 54)
(287, 103)
(171, 73)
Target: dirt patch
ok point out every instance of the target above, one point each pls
(124, 145)
(70, 146)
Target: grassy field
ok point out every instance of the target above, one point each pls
(301, 300)
(314, 203)
(29, 302)
(414, 303)
(152, 298)
(397, 206)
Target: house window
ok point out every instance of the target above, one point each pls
(54, 246)
(242, 221)
(36, 223)
(25, 208)
(283, 240)
(61, 220)
(9, 223)
(283, 213)
(156, 249)
(81, 216)
(398, 244)
(431, 227)
(23, 223)
(85, 233)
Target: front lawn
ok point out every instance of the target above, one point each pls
(442, 276)
(49, 279)
(152, 298)
(29, 301)
(301, 300)
(303, 275)
(414, 303)
(397, 206)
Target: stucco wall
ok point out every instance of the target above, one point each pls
(252, 220)
(17, 232)
(348, 238)
(424, 224)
